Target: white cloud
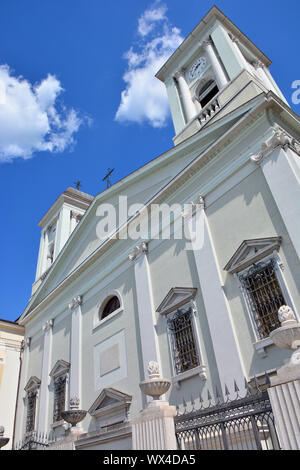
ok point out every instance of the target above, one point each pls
(30, 119)
(144, 98)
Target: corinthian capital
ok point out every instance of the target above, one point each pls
(206, 43)
(193, 207)
(75, 302)
(279, 139)
(48, 325)
(138, 251)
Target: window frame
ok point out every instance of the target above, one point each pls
(97, 320)
(279, 268)
(200, 369)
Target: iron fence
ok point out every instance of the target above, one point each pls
(35, 441)
(241, 423)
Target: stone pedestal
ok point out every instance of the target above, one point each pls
(154, 429)
(284, 392)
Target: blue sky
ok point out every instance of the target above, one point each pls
(76, 58)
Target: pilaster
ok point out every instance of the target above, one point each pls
(44, 392)
(146, 311)
(277, 160)
(229, 362)
(75, 367)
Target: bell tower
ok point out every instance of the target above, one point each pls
(216, 67)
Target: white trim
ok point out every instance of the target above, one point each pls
(199, 370)
(97, 321)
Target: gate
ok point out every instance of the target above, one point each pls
(244, 423)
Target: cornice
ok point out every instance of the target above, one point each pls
(280, 139)
(267, 101)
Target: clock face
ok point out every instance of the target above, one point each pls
(197, 68)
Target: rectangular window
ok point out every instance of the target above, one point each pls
(264, 295)
(182, 339)
(59, 398)
(31, 409)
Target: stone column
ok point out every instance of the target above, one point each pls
(44, 392)
(146, 311)
(279, 168)
(154, 428)
(242, 60)
(221, 78)
(75, 367)
(229, 362)
(188, 105)
(284, 392)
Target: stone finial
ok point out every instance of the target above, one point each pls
(153, 370)
(286, 315)
(74, 403)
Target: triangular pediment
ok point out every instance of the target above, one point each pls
(32, 384)
(109, 401)
(176, 297)
(61, 367)
(251, 251)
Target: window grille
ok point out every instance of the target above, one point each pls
(59, 398)
(31, 409)
(182, 340)
(265, 297)
(112, 305)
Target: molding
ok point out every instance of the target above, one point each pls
(104, 435)
(261, 345)
(138, 251)
(32, 384)
(251, 251)
(176, 297)
(280, 139)
(111, 403)
(76, 302)
(199, 370)
(61, 367)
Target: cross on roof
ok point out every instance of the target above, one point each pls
(106, 177)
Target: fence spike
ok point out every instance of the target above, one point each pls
(192, 401)
(236, 388)
(208, 395)
(227, 393)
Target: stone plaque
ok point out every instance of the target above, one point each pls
(110, 359)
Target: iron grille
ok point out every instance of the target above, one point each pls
(31, 409)
(241, 424)
(265, 297)
(59, 398)
(182, 339)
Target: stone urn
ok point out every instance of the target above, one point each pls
(288, 335)
(74, 415)
(3, 440)
(156, 385)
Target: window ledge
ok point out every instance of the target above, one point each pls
(199, 370)
(98, 322)
(261, 345)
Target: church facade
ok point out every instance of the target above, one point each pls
(201, 305)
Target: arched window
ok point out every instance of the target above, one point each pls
(207, 92)
(109, 307)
